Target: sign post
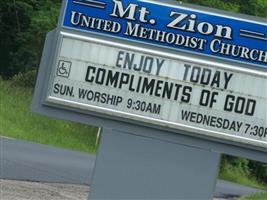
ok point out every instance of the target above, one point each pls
(131, 166)
(173, 87)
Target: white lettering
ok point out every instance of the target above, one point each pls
(120, 12)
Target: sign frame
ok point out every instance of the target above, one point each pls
(134, 118)
(41, 106)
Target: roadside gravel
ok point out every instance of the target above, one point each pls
(21, 190)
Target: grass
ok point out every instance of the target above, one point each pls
(258, 196)
(236, 175)
(17, 121)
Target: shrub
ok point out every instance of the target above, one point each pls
(26, 79)
(259, 170)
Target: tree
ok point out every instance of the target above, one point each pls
(14, 20)
(250, 7)
(23, 26)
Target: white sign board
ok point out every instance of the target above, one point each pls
(122, 82)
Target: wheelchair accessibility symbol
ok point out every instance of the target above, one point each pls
(64, 68)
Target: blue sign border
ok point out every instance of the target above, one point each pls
(248, 38)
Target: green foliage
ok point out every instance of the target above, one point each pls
(254, 7)
(250, 7)
(232, 5)
(238, 170)
(26, 79)
(240, 164)
(259, 170)
(23, 26)
(243, 171)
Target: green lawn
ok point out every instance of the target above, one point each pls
(235, 175)
(17, 121)
(258, 196)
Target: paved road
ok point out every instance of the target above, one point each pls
(227, 189)
(33, 162)
(27, 161)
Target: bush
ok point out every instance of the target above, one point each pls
(26, 79)
(259, 170)
(240, 164)
(238, 170)
(244, 171)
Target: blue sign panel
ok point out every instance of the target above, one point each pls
(169, 26)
